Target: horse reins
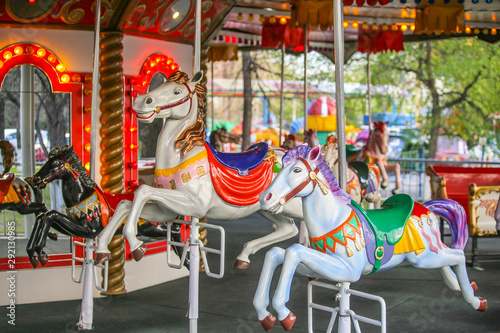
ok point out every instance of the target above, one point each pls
(312, 177)
(183, 100)
(66, 166)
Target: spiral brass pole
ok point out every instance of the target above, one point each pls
(112, 100)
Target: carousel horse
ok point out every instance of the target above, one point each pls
(289, 142)
(497, 217)
(363, 179)
(88, 207)
(221, 136)
(192, 178)
(348, 241)
(311, 138)
(375, 151)
(16, 193)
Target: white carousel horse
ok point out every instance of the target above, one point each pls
(193, 179)
(348, 241)
(363, 179)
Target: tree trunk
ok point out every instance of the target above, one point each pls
(247, 98)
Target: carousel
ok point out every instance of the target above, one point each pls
(111, 208)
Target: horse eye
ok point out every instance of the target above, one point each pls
(297, 170)
(177, 92)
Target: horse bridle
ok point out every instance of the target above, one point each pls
(188, 97)
(312, 177)
(65, 166)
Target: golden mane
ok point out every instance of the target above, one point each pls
(193, 135)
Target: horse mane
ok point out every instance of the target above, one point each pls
(302, 151)
(193, 135)
(73, 159)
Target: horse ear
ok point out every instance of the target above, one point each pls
(314, 154)
(197, 77)
(70, 150)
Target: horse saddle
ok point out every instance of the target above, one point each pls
(388, 224)
(109, 202)
(239, 178)
(362, 170)
(5, 182)
(242, 162)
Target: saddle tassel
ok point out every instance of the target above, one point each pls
(349, 251)
(362, 240)
(357, 245)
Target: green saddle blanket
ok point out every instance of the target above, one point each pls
(352, 151)
(362, 170)
(388, 222)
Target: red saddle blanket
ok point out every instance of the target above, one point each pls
(240, 190)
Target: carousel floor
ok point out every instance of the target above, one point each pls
(417, 300)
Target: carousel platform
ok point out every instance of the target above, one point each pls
(417, 300)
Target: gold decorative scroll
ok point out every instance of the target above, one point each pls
(313, 13)
(223, 53)
(440, 18)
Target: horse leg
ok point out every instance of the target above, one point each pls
(102, 252)
(311, 262)
(396, 168)
(383, 173)
(165, 205)
(273, 259)
(285, 229)
(34, 239)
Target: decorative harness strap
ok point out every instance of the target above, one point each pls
(313, 177)
(89, 207)
(183, 100)
(190, 169)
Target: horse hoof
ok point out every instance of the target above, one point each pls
(34, 261)
(288, 322)
(482, 305)
(139, 252)
(44, 259)
(395, 191)
(384, 185)
(268, 322)
(311, 278)
(102, 257)
(473, 285)
(53, 236)
(241, 265)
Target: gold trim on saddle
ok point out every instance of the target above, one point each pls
(86, 207)
(170, 171)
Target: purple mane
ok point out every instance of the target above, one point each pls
(303, 151)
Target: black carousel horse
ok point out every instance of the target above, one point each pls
(17, 194)
(88, 207)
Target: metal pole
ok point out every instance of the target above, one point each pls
(27, 132)
(282, 100)
(212, 87)
(338, 17)
(306, 49)
(197, 37)
(368, 93)
(87, 310)
(95, 89)
(194, 276)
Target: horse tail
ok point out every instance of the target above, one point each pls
(454, 213)
(7, 150)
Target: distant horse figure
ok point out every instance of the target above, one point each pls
(311, 138)
(375, 151)
(192, 178)
(497, 216)
(290, 142)
(88, 207)
(16, 193)
(363, 179)
(221, 136)
(348, 241)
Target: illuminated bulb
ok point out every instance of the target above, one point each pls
(404, 27)
(240, 16)
(365, 26)
(169, 61)
(346, 10)
(158, 59)
(133, 146)
(87, 128)
(250, 17)
(87, 147)
(412, 27)
(60, 67)
(41, 52)
(476, 31)
(385, 27)
(262, 18)
(485, 31)
(176, 15)
(18, 50)
(7, 55)
(375, 27)
(493, 31)
(65, 78)
(355, 11)
(133, 128)
(272, 20)
(51, 58)
(346, 24)
(394, 28)
(467, 16)
(355, 25)
(174, 67)
(87, 166)
(283, 20)
(467, 30)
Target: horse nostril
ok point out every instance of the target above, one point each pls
(269, 196)
(149, 100)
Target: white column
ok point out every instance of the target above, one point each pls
(27, 132)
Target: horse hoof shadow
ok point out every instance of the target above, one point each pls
(241, 265)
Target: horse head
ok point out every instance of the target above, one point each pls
(330, 151)
(290, 142)
(378, 140)
(311, 138)
(172, 99)
(304, 170)
(62, 163)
